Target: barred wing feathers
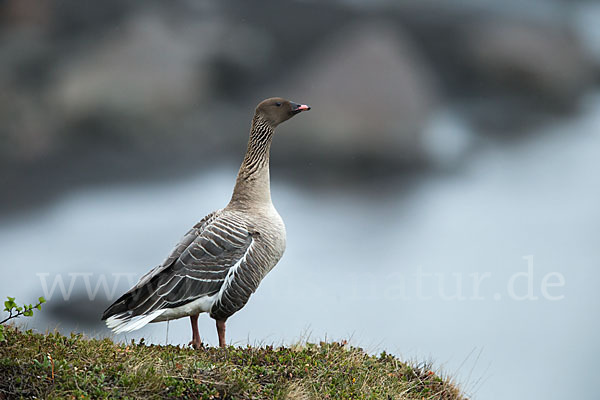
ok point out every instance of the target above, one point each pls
(213, 259)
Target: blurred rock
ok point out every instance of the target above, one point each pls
(546, 62)
(371, 94)
(27, 130)
(478, 73)
(79, 310)
(586, 23)
(24, 13)
(144, 67)
(104, 90)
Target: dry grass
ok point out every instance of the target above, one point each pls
(55, 366)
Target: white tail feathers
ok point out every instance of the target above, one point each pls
(125, 323)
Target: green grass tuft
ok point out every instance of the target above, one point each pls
(54, 366)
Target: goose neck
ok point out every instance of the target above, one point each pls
(253, 180)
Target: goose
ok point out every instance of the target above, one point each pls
(220, 261)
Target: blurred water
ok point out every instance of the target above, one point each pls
(350, 270)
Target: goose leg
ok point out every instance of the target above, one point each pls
(196, 342)
(221, 332)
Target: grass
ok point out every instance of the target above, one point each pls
(54, 366)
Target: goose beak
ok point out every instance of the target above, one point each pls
(297, 108)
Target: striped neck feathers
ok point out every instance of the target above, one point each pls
(253, 182)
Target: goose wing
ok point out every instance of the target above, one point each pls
(198, 266)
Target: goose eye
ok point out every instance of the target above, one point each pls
(278, 104)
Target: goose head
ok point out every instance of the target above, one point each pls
(277, 110)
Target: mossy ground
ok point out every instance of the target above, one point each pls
(54, 366)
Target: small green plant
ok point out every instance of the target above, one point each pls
(14, 311)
